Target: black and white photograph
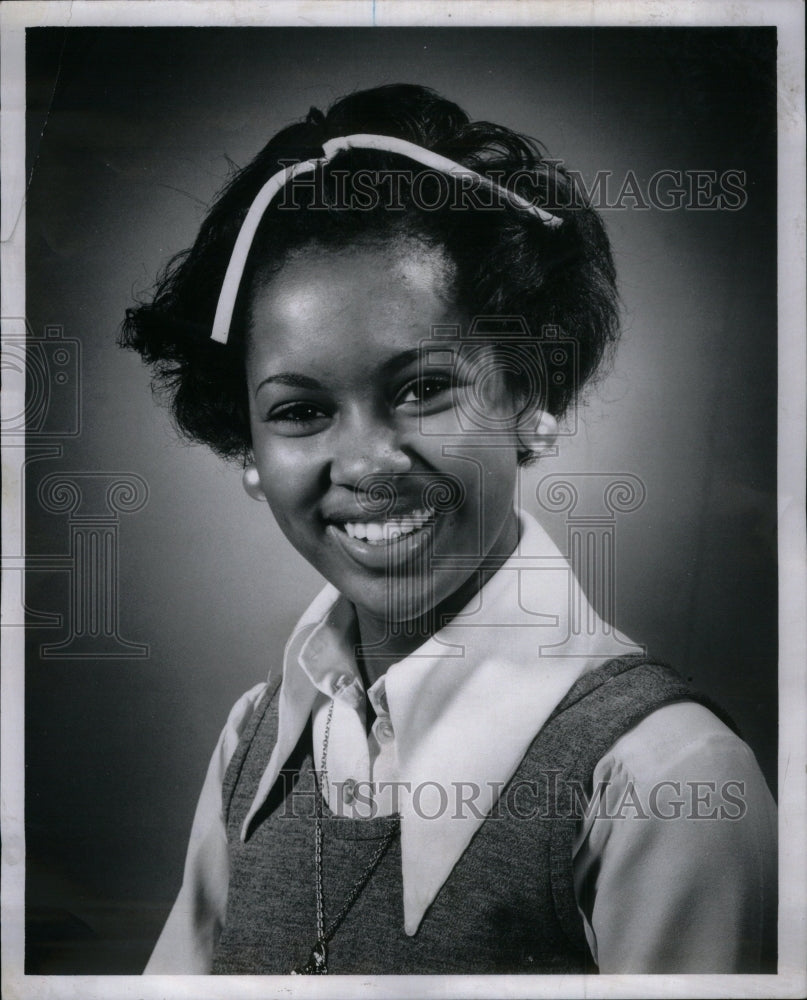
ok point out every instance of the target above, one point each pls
(403, 472)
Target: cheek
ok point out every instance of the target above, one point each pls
(500, 485)
(289, 476)
(485, 463)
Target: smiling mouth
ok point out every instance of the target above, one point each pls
(387, 530)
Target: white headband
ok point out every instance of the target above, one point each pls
(235, 269)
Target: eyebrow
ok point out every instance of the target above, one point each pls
(296, 381)
(401, 360)
(291, 379)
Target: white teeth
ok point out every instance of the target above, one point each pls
(383, 532)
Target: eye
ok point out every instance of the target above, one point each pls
(297, 418)
(425, 391)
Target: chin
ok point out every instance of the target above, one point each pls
(400, 607)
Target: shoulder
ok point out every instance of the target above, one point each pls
(241, 714)
(680, 738)
(641, 719)
(682, 762)
(675, 858)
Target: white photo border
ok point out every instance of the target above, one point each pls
(15, 16)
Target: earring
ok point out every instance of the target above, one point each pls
(251, 482)
(537, 434)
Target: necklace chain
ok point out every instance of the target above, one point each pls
(317, 963)
(318, 825)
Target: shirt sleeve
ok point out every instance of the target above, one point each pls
(675, 862)
(194, 924)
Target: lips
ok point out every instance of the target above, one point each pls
(387, 530)
(383, 542)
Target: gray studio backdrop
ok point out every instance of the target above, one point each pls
(130, 135)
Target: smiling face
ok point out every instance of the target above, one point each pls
(342, 409)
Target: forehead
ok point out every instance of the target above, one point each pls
(328, 301)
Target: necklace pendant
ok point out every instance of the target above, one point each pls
(317, 964)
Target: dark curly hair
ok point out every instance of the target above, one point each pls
(507, 262)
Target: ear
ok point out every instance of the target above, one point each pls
(251, 482)
(537, 431)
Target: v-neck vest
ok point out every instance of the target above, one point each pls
(509, 904)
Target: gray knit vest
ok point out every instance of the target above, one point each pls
(508, 906)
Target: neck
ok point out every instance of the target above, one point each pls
(382, 643)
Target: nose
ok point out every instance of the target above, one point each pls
(367, 446)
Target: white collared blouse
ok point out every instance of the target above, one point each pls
(674, 866)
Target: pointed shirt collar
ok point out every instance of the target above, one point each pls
(464, 707)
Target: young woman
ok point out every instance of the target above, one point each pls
(372, 320)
